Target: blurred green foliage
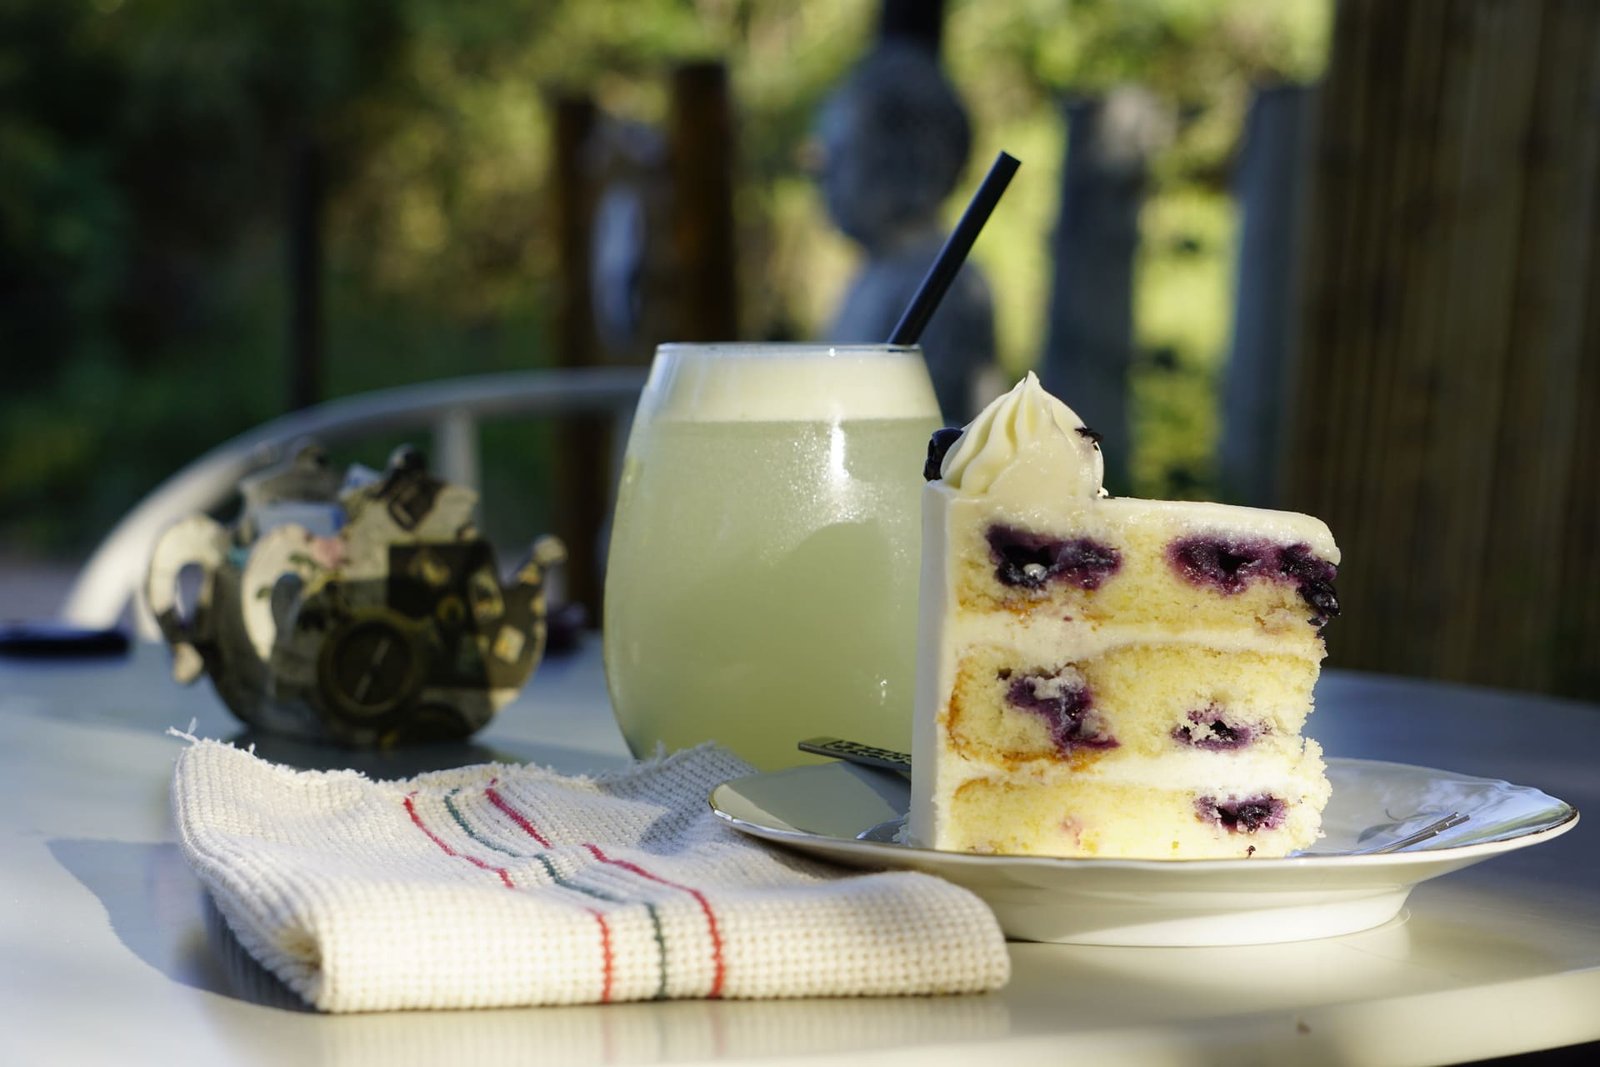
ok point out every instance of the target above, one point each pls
(143, 179)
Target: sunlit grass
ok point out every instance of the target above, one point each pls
(1182, 320)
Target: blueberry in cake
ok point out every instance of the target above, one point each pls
(1101, 676)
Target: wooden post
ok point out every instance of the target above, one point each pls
(700, 135)
(1452, 253)
(1090, 344)
(583, 445)
(1269, 187)
(1562, 320)
(305, 273)
(1577, 608)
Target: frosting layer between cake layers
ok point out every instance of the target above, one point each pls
(1110, 677)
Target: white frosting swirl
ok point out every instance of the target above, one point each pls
(1030, 437)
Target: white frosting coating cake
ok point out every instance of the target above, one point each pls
(1103, 676)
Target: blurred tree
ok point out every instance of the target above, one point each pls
(59, 214)
(143, 143)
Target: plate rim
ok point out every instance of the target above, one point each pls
(903, 855)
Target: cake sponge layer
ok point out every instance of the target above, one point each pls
(1063, 816)
(1102, 714)
(1170, 565)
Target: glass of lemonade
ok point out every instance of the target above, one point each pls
(762, 581)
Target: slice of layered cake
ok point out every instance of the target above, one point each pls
(1109, 677)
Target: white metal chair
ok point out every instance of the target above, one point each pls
(107, 585)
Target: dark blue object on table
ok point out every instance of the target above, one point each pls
(50, 639)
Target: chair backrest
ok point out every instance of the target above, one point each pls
(107, 585)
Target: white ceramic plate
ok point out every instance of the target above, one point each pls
(822, 809)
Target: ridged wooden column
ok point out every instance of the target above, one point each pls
(1443, 415)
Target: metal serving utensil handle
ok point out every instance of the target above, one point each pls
(854, 752)
(1433, 829)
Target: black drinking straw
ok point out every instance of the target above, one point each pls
(954, 253)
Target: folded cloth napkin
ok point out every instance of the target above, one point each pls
(501, 885)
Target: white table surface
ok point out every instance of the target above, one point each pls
(109, 951)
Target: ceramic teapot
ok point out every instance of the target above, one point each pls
(357, 607)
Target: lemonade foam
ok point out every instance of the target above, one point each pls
(789, 383)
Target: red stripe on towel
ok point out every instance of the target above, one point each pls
(515, 816)
(608, 959)
(718, 959)
(608, 962)
(719, 963)
(607, 955)
(411, 809)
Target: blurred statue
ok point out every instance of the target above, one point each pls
(894, 140)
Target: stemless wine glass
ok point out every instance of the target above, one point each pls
(762, 581)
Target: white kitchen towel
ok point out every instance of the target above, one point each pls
(503, 885)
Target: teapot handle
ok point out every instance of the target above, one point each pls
(196, 541)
